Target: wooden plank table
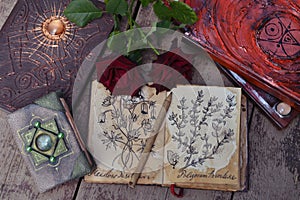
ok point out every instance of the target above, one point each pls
(274, 161)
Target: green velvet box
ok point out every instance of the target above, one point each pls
(46, 138)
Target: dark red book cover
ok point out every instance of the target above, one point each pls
(259, 40)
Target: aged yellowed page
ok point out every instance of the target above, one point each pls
(203, 137)
(118, 129)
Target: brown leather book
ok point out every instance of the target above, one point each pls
(41, 51)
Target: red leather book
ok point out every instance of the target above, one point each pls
(259, 40)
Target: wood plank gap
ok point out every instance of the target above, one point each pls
(136, 10)
(251, 117)
(167, 194)
(77, 189)
(232, 194)
(1, 190)
(13, 155)
(2, 194)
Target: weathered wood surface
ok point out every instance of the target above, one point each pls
(274, 161)
(6, 7)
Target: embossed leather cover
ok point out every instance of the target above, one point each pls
(32, 64)
(63, 160)
(259, 40)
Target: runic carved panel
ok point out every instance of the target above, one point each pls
(41, 51)
(279, 37)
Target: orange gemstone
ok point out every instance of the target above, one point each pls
(56, 27)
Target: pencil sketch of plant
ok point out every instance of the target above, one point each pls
(189, 124)
(173, 158)
(131, 117)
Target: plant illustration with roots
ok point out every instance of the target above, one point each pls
(189, 122)
(133, 119)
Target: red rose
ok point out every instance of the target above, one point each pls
(123, 77)
(119, 77)
(177, 71)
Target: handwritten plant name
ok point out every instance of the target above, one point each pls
(191, 175)
(114, 174)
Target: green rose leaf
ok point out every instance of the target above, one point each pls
(117, 42)
(117, 7)
(82, 12)
(164, 24)
(135, 56)
(183, 13)
(161, 11)
(177, 10)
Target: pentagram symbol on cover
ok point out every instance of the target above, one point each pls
(41, 51)
(280, 37)
(45, 142)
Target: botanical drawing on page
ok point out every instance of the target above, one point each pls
(120, 129)
(203, 126)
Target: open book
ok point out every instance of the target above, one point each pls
(201, 144)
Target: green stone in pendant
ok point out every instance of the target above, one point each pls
(52, 159)
(44, 142)
(28, 149)
(61, 135)
(37, 124)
